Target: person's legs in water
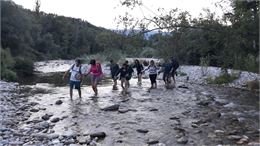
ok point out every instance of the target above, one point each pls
(71, 89)
(139, 74)
(151, 80)
(94, 84)
(154, 80)
(123, 80)
(77, 86)
(173, 76)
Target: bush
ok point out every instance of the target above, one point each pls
(222, 79)
(9, 75)
(181, 73)
(23, 67)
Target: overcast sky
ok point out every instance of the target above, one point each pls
(103, 12)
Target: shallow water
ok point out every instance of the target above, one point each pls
(152, 110)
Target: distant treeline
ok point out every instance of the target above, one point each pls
(28, 36)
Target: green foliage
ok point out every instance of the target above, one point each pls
(8, 75)
(181, 74)
(23, 67)
(7, 63)
(222, 79)
(105, 56)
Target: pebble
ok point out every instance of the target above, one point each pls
(55, 120)
(98, 135)
(182, 140)
(58, 102)
(112, 108)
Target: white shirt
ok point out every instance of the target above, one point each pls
(74, 71)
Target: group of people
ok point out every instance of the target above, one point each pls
(123, 73)
(77, 74)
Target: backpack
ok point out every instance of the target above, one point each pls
(175, 64)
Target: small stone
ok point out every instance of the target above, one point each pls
(123, 110)
(98, 135)
(152, 141)
(194, 125)
(34, 110)
(153, 109)
(174, 118)
(46, 117)
(204, 103)
(182, 140)
(54, 120)
(234, 137)
(112, 108)
(219, 132)
(142, 130)
(58, 102)
(183, 86)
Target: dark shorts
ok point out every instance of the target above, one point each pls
(75, 84)
(113, 76)
(153, 78)
(139, 73)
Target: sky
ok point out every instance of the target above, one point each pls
(102, 13)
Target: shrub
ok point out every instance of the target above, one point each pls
(9, 75)
(23, 67)
(222, 79)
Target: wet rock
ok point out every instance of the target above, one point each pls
(34, 110)
(234, 137)
(142, 130)
(182, 140)
(98, 135)
(123, 110)
(254, 144)
(174, 118)
(112, 108)
(53, 136)
(183, 86)
(153, 109)
(33, 103)
(204, 103)
(69, 141)
(42, 125)
(243, 140)
(15, 143)
(219, 132)
(46, 117)
(55, 120)
(40, 136)
(152, 141)
(194, 125)
(179, 129)
(84, 139)
(58, 102)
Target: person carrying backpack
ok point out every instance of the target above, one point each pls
(75, 77)
(114, 69)
(152, 68)
(96, 73)
(175, 66)
(139, 67)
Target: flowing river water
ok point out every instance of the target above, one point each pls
(189, 114)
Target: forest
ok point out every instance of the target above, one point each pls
(231, 41)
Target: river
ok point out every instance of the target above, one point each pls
(189, 114)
